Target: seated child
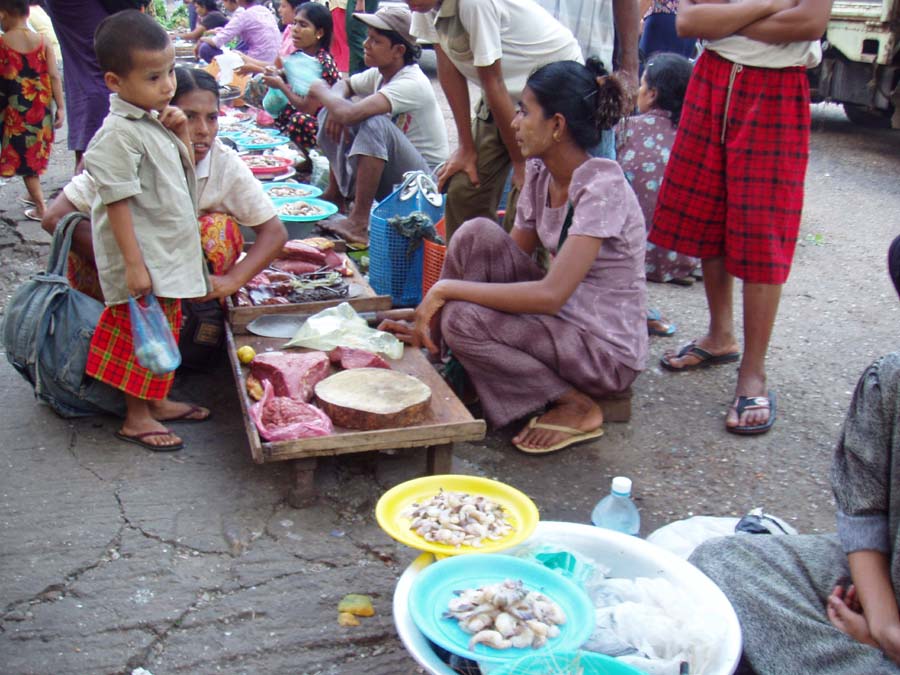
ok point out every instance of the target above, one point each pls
(145, 231)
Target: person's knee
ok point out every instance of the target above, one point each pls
(477, 232)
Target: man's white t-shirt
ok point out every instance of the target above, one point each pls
(476, 33)
(414, 108)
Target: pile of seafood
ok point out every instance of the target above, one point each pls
(263, 161)
(299, 209)
(458, 519)
(307, 270)
(290, 190)
(257, 136)
(506, 615)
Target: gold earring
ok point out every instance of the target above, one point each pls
(556, 136)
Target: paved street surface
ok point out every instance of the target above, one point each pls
(115, 558)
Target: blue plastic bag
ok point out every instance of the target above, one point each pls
(154, 345)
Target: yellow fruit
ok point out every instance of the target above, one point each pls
(246, 354)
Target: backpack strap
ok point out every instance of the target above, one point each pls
(58, 260)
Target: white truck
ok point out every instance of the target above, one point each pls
(861, 63)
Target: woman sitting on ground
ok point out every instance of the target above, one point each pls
(208, 18)
(530, 338)
(643, 143)
(255, 29)
(227, 192)
(312, 32)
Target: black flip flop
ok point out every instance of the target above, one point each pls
(742, 403)
(706, 359)
(138, 439)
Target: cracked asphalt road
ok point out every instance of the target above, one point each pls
(115, 558)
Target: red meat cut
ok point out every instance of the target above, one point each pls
(350, 358)
(291, 374)
(297, 250)
(296, 266)
(279, 418)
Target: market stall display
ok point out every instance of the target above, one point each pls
(291, 189)
(373, 398)
(303, 210)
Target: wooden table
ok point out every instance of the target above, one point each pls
(447, 421)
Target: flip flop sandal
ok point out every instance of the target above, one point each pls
(138, 439)
(32, 214)
(706, 359)
(575, 436)
(25, 201)
(655, 315)
(189, 415)
(683, 281)
(744, 403)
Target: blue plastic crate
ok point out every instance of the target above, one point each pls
(392, 271)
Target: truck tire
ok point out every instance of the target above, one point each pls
(871, 118)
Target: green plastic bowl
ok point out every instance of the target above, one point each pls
(566, 663)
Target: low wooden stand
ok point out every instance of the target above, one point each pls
(446, 422)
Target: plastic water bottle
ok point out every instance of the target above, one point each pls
(616, 511)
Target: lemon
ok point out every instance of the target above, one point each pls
(246, 354)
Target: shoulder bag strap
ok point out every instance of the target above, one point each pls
(62, 241)
(567, 223)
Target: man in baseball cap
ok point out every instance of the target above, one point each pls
(380, 123)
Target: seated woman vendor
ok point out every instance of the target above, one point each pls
(530, 338)
(227, 192)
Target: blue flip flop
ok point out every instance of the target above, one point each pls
(742, 403)
(656, 315)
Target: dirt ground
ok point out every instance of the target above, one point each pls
(115, 558)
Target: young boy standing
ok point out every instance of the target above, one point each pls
(733, 188)
(145, 230)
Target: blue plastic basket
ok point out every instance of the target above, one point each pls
(392, 270)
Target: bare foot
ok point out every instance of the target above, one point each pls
(573, 409)
(350, 231)
(171, 411)
(750, 385)
(707, 344)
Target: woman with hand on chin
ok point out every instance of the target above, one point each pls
(529, 338)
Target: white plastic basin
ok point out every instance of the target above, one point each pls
(626, 556)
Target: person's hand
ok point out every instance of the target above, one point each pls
(402, 330)
(137, 280)
(59, 118)
(274, 81)
(176, 121)
(334, 129)
(223, 286)
(427, 319)
(845, 613)
(460, 160)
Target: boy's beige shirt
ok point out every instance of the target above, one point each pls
(135, 157)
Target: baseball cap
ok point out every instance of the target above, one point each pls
(397, 18)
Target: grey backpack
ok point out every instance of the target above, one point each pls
(47, 330)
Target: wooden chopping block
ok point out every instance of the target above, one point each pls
(373, 398)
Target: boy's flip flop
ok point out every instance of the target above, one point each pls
(32, 214)
(744, 403)
(575, 436)
(138, 439)
(706, 359)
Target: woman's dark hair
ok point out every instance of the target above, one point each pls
(208, 5)
(296, 3)
(15, 7)
(589, 98)
(668, 74)
(412, 53)
(320, 17)
(192, 79)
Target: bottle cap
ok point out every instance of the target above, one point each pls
(621, 485)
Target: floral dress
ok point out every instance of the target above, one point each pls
(643, 143)
(302, 128)
(25, 97)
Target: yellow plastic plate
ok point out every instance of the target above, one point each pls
(520, 511)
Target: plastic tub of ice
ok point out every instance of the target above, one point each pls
(625, 556)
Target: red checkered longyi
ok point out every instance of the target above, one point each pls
(741, 199)
(111, 356)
